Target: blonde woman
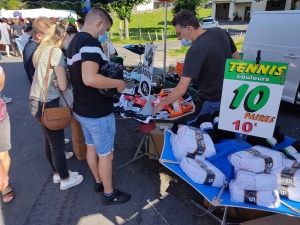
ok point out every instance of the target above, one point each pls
(58, 38)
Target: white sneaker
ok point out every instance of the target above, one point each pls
(6, 99)
(67, 141)
(73, 181)
(69, 155)
(56, 177)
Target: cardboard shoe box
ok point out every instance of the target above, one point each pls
(277, 219)
(157, 136)
(78, 141)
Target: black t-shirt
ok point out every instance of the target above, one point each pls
(205, 62)
(88, 101)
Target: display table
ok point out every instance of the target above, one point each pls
(224, 149)
(191, 91)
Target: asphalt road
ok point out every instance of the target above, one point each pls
(39, 201)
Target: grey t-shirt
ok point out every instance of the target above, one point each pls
(205, 62)
(38, 83)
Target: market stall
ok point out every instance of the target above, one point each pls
(34, 13)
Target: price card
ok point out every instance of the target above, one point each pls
(251, 97)
(147, 71)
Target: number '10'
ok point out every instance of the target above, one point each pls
(263, 93)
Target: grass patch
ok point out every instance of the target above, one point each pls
(178, 52)
(152, 22)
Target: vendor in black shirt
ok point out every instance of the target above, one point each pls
(92, 109)
(204, 62)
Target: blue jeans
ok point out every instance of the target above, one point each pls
(209, 107)
(19, 44)
(99, 132)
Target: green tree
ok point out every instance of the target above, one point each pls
(12, 4)
(191, 5)
(124, 9)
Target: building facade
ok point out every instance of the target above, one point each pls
(242, 9)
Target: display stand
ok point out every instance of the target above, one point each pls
(137, 51)
(146, 140)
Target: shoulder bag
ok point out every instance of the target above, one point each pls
(54, 118)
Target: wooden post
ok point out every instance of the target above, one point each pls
(162, 34)
(150, 39)
(140, 32)
(120, 30)
(156, 35)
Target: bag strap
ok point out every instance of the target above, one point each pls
(47, 78)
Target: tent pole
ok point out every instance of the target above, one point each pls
(165, 44)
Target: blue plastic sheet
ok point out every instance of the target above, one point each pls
(220, 160)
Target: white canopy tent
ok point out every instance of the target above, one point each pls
(33, 13)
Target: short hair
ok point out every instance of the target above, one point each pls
(81, 21)
(41, 25)
(103, 14)
(186, 18)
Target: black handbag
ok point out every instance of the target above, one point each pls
(114, 72)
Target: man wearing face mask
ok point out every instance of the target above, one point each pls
(93, 110)
(204, 62)
(107, 46)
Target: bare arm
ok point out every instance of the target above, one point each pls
(236, 55)
(177, 93)
(92, 78)
(2, 81)
(61, 75)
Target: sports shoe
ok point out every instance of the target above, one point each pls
(56, 177)
(69, 155)
(73, 181)
(119, 197)
(67, 141)
(6, 99)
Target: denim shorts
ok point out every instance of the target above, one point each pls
(99, 132)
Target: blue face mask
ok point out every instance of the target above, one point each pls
(103, 38)
(185, 43)
(67, 46)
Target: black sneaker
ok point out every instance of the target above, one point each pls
(98, 187)
(119, 197)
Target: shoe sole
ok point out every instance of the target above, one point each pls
(114, 203)
(67, 157)
(72, 185)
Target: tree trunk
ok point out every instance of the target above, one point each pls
(120, 31)
(126, 28)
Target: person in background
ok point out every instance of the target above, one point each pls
(79, 24)
(26, 36)
(40, 28)
(5, 146)
(58, 38)
(6, 38)
(93, 110)
(16, 32)
(205, 62)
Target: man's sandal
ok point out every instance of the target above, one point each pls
(7, 193)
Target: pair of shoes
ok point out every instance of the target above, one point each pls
(119, 197)
(69, 155)
(56, 177)
(6, 99)
(73, 181)
(67, 141)
(98, 187)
